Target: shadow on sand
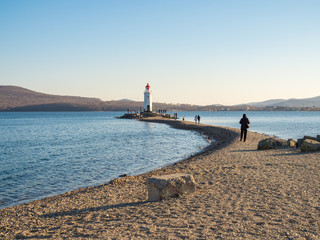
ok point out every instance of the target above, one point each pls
(93, 209)
(247, 150)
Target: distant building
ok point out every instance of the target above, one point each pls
(147, 99)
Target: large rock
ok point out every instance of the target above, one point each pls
(173, 185)
(272, 143)
(310, 145)
(301, 140)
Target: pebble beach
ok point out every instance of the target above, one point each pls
(241, 193)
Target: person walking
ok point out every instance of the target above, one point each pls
(198, 118)
(195, 118)
(244, 121)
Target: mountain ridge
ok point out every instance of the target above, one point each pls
(292, 102)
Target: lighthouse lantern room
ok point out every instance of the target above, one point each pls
(147, 99)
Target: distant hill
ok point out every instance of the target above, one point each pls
(18, 98)
(266, 103)
(304, 102)
(125, 100)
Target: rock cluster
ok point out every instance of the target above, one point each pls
(301, 140)
(306, 144)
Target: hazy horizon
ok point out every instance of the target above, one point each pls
(193, 52)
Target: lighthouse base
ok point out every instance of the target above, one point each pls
(149, 114)
(144, 115)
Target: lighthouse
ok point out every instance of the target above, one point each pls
(147, 99)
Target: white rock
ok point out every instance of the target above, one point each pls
(173, 185)
(272, 143)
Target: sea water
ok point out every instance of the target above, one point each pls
(281, 124)
(44, 154)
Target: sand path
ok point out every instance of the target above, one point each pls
(242, 193)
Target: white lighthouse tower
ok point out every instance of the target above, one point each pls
(147, 99)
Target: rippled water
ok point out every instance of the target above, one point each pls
(45, 154)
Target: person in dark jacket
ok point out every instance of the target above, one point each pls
(244, 121)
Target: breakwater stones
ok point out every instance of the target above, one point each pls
(167, 186)
(306, 144)
(131, 116)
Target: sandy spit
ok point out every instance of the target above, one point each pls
(242, 193)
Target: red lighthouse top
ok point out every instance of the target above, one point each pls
(148, 86)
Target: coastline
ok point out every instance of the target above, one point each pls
(241, 193)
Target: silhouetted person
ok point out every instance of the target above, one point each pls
(198, 118)
(244, 121)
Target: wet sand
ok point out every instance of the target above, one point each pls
(241, 193)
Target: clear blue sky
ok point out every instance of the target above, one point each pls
(197, 52)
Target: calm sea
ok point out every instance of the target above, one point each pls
(45, 154)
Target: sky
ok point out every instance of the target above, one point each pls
(190, 52)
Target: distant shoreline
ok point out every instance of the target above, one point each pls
(14, 98)
(68, 108)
